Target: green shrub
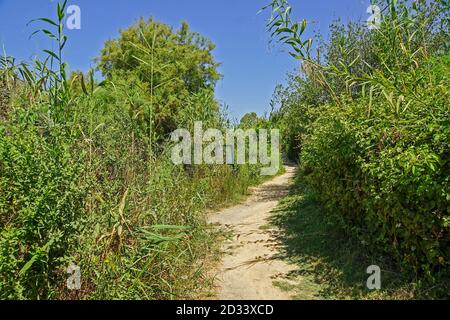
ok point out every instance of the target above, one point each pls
(386, 176)
(372, 129)
(41, 210)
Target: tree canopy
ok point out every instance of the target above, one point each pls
(172, 65)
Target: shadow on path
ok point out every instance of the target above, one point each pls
(329, 264)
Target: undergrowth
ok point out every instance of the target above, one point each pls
(85, 170)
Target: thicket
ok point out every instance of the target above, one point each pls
(368, 119)
(85, 170)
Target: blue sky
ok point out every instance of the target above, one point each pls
(251, 68)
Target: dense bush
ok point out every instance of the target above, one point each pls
(41, 209)
(387, 174)
(372, 128)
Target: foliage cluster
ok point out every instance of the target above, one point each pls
(369, 121)
(85, 170)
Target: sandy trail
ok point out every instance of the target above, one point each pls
(249, 266)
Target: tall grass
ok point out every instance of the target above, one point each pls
(86, 176)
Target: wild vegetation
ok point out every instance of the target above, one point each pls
(368, 119)
(85, 170)
(86, 176)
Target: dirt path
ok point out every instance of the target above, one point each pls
(249, 266)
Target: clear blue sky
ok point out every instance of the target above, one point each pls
(251, 68)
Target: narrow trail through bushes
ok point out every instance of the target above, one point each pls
(250, 265)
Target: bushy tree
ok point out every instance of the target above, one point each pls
(171, 64)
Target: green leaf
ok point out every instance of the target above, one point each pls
(28, 265)
(61, 10)
(49, 34)
(33, 259)
(303, 27)
(49, 21)
(51, 53)
(83, 85)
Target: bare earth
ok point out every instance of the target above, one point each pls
(249, 266)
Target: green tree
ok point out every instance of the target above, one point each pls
(172, 64)
(249, 120)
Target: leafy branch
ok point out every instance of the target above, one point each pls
(59, 88)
